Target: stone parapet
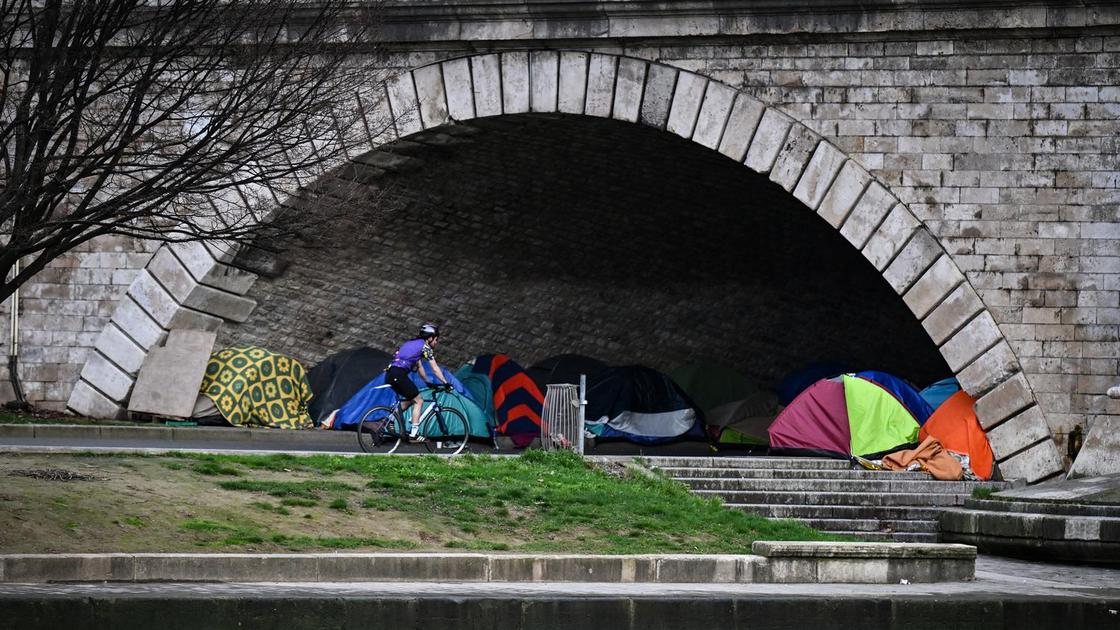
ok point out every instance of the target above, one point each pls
(862, 563)
(416, 24)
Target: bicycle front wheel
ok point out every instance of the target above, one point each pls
(380, 430)
(446, 432)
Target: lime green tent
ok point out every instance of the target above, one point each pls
(730, 400)
(878, 421)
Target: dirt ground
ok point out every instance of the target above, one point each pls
(147, 504)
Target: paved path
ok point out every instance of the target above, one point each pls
(76, 445)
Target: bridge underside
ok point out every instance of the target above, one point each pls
(538, 235)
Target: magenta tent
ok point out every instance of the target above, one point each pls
(815, 423)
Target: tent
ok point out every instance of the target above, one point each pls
(815, 423)
(736, 409)
(903, 391)
(955, 425)
(479, 389)
(373, 395)
(843, 416)
(641, 405)
(517, 399)
(879, 422)
(799, 380)
(253, 386)
(564, 368)
(338, 377)
(940, 391)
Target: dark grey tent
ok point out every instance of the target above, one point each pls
(564, 368)
(341, 375)
(641, 405)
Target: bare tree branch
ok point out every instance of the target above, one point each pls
(171, 119)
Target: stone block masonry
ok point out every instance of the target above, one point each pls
(63, 311)
(988, 142)
(672, 258)
(1004, 145)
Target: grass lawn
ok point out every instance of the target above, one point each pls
(536, 502)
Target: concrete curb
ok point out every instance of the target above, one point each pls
(889, 565)
(250, 436)
(177, 434)
(375, 567)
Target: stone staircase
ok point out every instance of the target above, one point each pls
(826, 494)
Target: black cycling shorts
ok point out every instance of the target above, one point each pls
(398, 379)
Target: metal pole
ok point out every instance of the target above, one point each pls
(13, 349)
(582, 411)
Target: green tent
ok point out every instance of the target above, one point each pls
(730, 400)
(878, 421)
(479, 387)
(480, 425)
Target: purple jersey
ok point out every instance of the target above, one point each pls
(411, 352)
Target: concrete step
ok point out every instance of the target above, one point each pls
(683, 473)
(871, 525)
(786, 463)
(1062, 537)
(1040, 507)
(929, 486)
(834, 498)
(851, 512)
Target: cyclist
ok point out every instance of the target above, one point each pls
(411, 356)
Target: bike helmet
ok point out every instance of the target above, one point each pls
(427, 331)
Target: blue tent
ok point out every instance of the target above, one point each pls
(903, 391)
(799, 380)
(940, 391)
(370, 396)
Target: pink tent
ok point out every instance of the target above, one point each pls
(816, 422)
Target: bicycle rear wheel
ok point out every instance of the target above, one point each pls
(380, 430)
(446, 432)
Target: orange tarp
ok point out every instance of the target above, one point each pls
(930, 456)
(955, 425)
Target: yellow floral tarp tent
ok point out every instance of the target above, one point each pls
(253, 386)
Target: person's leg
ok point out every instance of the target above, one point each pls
(416, 404)
(399, 380)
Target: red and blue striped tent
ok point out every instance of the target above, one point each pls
(517, 398)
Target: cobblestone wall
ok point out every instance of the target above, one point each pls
(540, 236)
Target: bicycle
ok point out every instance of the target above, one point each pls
(444, 430)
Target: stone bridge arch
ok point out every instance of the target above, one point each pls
(191, 285)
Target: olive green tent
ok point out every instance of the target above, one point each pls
(730, 400)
